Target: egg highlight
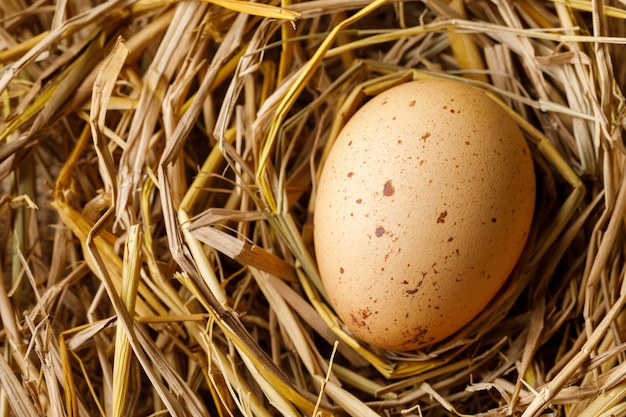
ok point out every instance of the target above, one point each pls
(422, 209)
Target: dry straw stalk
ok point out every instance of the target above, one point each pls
(158, 162)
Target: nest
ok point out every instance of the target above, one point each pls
(159, 162)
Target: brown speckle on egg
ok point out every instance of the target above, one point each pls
(388, 189)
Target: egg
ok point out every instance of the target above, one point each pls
(422, 210)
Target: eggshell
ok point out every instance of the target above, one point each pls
(423, 207)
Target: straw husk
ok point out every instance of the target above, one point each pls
(158, 161)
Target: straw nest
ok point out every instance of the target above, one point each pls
(158, 165)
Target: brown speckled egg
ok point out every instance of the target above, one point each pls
(423, 207)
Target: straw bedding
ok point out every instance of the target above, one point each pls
(159, 160)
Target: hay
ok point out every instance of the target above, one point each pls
(159, 161)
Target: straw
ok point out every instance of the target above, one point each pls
(159, 163)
